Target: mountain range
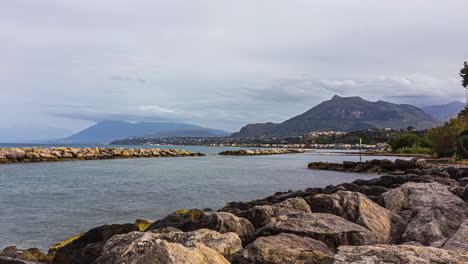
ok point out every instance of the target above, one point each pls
(446, 111)
(106, 131)
(344, 114)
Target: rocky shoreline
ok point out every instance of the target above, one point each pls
(19, 155)
(257, 152)
(419, 215)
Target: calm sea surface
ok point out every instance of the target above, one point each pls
(43, 203)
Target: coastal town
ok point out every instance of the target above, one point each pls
(312, 140)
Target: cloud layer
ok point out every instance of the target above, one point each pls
(218, 63)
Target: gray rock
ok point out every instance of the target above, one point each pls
(148, 247)
(357, 208)
(332, 230)
(431, 210)
(284, 249)
(459, 240)
(227, 222)
(87, 248)
(383, 254)
(8, 260)
(226, 244)
(261, 215)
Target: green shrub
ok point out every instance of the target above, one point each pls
(409, 141)
(415, 149)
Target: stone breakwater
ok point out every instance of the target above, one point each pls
(375, 165)
(408, 218)
(256, 152)
(15, 155)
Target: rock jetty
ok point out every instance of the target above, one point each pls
(16, 155)
(401, 218)
(256, 152)
(375, 165)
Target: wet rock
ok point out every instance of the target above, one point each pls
(284, 249)
(86, 248)
(397, 254)
(459, 240)
(332, 230)
(357, 208)
(148, 247)
(431, 210)
(261, 215)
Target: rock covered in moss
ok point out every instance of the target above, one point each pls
(284, 249)
(87, 248)
(143, 224)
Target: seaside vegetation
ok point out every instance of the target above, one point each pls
(447, 140)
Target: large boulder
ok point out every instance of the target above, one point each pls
(8, 260)
(380, 254)
(88, 247)
(284, 249)
(32, 254)
(148, 247)
(357, 208)
(227, 222)
(332, 230)
(195, 219)
(261, 215)
(182, 219)
(459, 240)
(226, 244)
(431, 210)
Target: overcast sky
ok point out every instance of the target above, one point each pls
(221, 64)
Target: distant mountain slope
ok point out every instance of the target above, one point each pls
(106, 131)
(446, 111)
(344, 114)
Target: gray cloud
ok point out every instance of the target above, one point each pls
(221, 64)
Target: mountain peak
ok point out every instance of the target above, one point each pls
(344, 114)
(337, 97)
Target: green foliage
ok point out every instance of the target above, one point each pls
(462, 145)
(415, 149)
(464, 74)
(409, 141)
(463, 112)
(446, 138)
(410, 128)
